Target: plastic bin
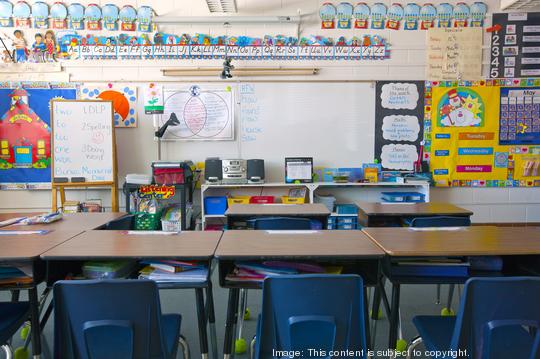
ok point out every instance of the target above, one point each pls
(347, 220)
(346, 209)
(292, 200)
(403, 197)
(347, 226)
(168, 176)
(327, 200)
(238, 200)
(215, 205)
(171, 226)
(261, 199)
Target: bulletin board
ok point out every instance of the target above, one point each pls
(467, 136)
(25, 133)
(399, 122)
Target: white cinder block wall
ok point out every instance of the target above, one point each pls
(136, 148)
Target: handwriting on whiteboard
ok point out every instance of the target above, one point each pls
(401, 128)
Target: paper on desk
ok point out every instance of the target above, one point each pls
(14, 233)
(11, 221)
(291, 232)
(152, 233)
(437, 228)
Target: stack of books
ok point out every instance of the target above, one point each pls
(108, 269)
(171, 271)
(71, 207)
(257, 272)
(15, 274)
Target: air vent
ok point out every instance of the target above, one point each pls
(521, 5)
(228, 6)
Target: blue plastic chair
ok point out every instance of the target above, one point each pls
(499, 318)
(112, 319)
(12, 317)
(302, 312)
(282, 223)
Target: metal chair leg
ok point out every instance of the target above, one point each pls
(413, 344)
(185, 347)
(252, 348)
(450, 296)
(7, 349)
(438, 299)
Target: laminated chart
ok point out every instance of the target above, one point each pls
(204, 114)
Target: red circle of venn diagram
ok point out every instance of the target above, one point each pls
(195, 115)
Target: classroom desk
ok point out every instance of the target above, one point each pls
(103, 245)
(508, 242)
(371, 214)
(73, 221)
(28, 248)
(353, 249)
(242, 212)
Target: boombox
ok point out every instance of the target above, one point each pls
(234, 171)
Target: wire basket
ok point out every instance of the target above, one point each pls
(147, 221)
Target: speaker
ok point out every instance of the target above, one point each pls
(213, 172)
(255, 171)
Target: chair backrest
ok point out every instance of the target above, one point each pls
(107, 319)
(276, 223)
(495, 316)
(440, 221)
(303, 312)
(123, 223)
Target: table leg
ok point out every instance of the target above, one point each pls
(366, 318)
(211, 319)
(34, 317)
(394, 317)
(201, 316)
(377, 299)
(232, 307)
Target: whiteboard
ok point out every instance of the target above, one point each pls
(332, 122)
(204, 113)
(83, 140)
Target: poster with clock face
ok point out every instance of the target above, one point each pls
(515, 48)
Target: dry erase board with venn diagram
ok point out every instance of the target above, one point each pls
(83, 140)
(399, 113)
(203, 113)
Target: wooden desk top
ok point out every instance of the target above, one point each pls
(309, 209)
(30, 246)
(74, 221)
(412, 209)
(244, 244)
(101, 244)
(467, 241)
(10, 215)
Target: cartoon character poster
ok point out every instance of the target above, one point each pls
(25, 133)
(124, 98)
(464, 137)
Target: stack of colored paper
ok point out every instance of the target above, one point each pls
(11, 275)
(256, 272)
(173, 271)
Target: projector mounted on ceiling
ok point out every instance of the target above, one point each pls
(228, 6)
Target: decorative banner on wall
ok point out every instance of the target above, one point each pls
(168, 46)
(473, 142)
(25, 133)
(92, 17)
(399, 114)
(204, 113)
(454, 53)
(515, 49)
(444, 15)
(124, 98)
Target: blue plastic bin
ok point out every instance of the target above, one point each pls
(215, 205)
(346, 209)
